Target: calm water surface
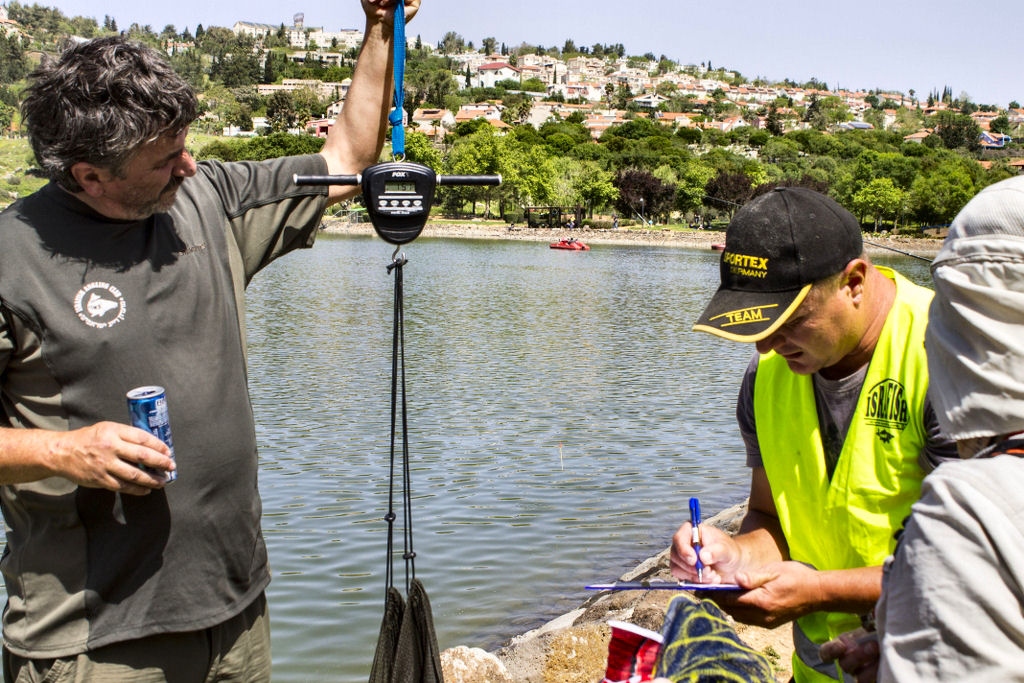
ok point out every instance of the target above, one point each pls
(561, 413)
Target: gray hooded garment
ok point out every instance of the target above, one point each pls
(975, 337)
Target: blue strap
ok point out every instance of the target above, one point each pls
(395, 117)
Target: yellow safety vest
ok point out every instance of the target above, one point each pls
(847, 522)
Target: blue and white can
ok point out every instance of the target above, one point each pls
(147, 408)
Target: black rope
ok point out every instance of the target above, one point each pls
(898, 251)
(398, 392)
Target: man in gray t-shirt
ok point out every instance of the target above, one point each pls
(835, 401)
(129, 269)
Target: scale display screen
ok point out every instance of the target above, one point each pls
(394, 186)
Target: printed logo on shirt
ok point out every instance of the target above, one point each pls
(191, 250)
(887, 406)
(100, 305)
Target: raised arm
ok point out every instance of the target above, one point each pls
(357, 137)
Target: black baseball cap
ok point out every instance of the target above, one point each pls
(776, 247)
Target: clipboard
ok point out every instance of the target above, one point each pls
(662, 585)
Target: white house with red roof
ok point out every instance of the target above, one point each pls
(487, 75)
(479, 110)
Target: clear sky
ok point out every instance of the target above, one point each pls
(924, 45)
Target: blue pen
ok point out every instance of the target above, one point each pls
(695, 537)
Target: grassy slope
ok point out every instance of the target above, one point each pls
(16, 159)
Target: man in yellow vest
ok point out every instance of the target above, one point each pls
(834, 413)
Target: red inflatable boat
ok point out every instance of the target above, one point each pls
(572, 244)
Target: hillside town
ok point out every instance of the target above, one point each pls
(590, 85)
(585, 84)
(604, 137)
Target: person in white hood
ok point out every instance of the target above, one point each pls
(952, 604)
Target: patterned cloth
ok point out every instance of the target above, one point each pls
(700, 646)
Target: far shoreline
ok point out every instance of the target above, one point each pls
(921, 247)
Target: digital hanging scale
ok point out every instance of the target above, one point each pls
(398, 195)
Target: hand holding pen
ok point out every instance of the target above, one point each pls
(704, 556)
(695, 538)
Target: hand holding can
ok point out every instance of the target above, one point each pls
(147, 409)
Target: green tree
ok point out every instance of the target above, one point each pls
(219, 101)
(879, 199)
(908, 121)
(1000, 124)
(562, 136)
(260, 148)
(823, 113)
(780, 150)
(279, 145)
(36, 18)
(773, 121)
(582, 184)
(428, 82)
(7, 113)
(469, 128)
(189, 65)
(759, 138)
(595, 186)
(143, 34)
(418, 150)
(223, 149)
(623, 95)
(281, 111)
(691, 184)
(13, 63)
(936, 197)
(875, 117)
(526, 171)
(307, 104)
(275, 62)
(957, 131)
(517, 108)
(533, 85)
(690, 135)
(451, 43)
(870, 165)
(235, 59)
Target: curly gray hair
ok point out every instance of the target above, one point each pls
(98, 102)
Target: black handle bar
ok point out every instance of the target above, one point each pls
(327, 179)
(358, 178)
